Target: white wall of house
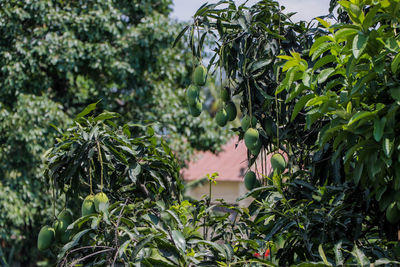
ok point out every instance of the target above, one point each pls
(227, 190)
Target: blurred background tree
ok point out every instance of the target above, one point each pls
(56, 57)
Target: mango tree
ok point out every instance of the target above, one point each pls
(324, 96)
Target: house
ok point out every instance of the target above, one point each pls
(231, 165)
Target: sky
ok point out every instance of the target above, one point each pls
(306, 9)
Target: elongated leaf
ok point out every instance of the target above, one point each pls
(379, 126)
(287, 82)
(123, 247)
(259, 64)
(143, 242)
(300, 105)
(73, 243)
(385, 261)
(338, 254)
(353, 149)
(395, 93)
(395, 63)
(255, 191)
(175, 217)
(318, 100)
(215, 246)
(359, 44)
(323, 61)
(324, 23)
(87, 110)
(360, 115)
(369, 18)
(357, 173)
(310, 264)
(360, 257)
(318, 42)
(325, 74)
(179, 240)
(387, 146)
(106, 115)
(343, 35)
(322, 48)
(322, 254)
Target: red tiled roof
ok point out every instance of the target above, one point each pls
(230, 163)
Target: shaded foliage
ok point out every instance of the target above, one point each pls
(322, 95)
(57, 57)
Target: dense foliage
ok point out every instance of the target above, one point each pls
(323, 98)
(326, 96)
(145, 222)
(56, 57)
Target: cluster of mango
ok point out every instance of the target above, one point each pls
(59, 232)
(193, 91)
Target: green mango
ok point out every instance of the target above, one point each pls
(250, 180)
(200, 75)
(278, 163)
(393, 213)
(192, 94)
(66, 216)
(100, 198)
(251, 136)
(88, 206)
(257, 148)
(45, 238)
(231, 110)
(248, 121)
(226, 94)
(195, 110)
(221, 117)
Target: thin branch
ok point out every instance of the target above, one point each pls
(91, 255)
(116, 232)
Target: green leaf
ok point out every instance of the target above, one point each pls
(387, 146)
(201, 10)
(300, 105)
(353, 149)
(179, 240)
(87, 110)
(318, 42)
(395, 63)
(288, 81)
(379, 126)
(317, 100)
(182, 32)
(380, 192)
(369, 18)
(73, 243)
(141, 244)
(360, 115)
(215, 246)
(344, 34)
(259, 65)
(322, 254)
(395, 93)
(360, 257)
(310, 264)
(123, 247)
(325, 75)
(106, 115)
(359, 44)
(322, 48)
(357, 173)
(391, 44)
(323, 61)
(338, 254)
(384, 261)
(324, 23)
